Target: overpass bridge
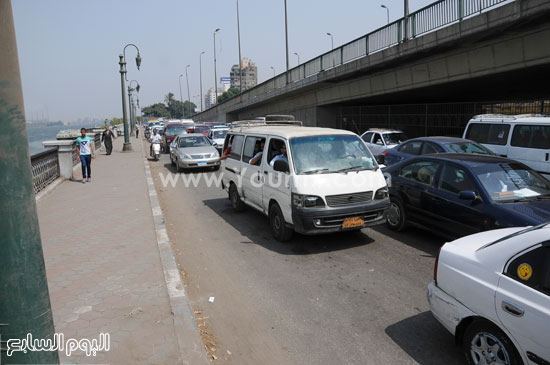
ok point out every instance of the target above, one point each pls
(459, 58)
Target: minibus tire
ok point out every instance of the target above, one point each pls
(236, 201)
(277, 223)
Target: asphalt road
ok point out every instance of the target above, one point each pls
(350, 298)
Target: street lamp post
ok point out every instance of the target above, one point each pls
(131, 104)
(188, 95)
(215, 73)
(200, 71)
(286, 37)
(387, 12)
(272, 68)
(181, 98)
(127, 146)
(406, 19)
(240, 61)
(296, 53)
(331, 39)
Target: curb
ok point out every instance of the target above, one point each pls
(190, 343)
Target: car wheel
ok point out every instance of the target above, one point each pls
(485, 343)
(172, 160)
(236, 201)
(396, 217)
(277, 224)
(178, 167)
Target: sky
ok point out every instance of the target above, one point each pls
(69, 49)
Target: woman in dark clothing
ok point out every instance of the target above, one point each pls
(107, 139)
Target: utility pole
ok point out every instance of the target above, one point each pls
(215, 74)
(200, 76)
(24, 300)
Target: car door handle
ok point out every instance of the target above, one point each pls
(265, 172)
(512, 309)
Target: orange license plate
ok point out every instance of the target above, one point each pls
(353, 222)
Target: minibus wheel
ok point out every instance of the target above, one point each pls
(236, 201)
(277, 224)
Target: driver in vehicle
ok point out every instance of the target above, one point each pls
(281, 156)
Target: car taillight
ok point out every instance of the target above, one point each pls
(436, 264)
(384, 153)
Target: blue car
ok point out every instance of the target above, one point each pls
(426, 145)
(456, 195)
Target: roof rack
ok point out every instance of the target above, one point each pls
(262, 123)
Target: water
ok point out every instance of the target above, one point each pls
(39, 134)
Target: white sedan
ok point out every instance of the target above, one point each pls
(492, 291)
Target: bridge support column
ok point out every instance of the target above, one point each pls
(24, 299)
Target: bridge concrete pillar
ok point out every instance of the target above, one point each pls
(24, 300)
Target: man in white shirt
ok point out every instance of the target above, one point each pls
(154, 138)
(282, 156)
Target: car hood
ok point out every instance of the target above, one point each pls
(196, 150)
(532, 212)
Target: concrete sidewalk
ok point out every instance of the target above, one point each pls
(104, 269)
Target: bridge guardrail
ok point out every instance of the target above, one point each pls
(430, 18)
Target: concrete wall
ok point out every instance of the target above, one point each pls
(512, 38)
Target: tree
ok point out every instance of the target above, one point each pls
(157, 110)
(169, 100)
(116, 121)
(172, 109)
(232, 92)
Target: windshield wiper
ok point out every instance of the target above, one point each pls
(314, 171)
(352, 168)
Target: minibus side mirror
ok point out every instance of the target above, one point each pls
(281, 166)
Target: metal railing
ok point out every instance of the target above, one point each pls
(430, 18)
(45, 169)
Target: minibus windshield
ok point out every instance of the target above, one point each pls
(330, 154)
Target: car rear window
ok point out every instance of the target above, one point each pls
(488, 133)
(174, 131)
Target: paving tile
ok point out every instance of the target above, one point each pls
(99, 271)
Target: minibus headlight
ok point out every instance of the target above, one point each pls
(381, 193)
(301, 201)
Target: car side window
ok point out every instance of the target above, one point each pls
(377, 139)
(429, 147)
(367, 137)
(411, 148)
(532, 269)
(236, 147)
(422, 172)
(455, 179)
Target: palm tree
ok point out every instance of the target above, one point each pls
(169, 99)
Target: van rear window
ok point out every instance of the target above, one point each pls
(488, 133)
(531, 136)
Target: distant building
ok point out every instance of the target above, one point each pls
(210, 98)
(249, 74)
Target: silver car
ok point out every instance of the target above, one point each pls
(193, 150)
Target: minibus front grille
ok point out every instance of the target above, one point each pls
(348, 199)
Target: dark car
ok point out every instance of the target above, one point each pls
(170, 131)
(459, 194)
(426, 145)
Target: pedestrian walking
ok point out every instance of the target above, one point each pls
(84, 154)
(137, 131)
(107, 139)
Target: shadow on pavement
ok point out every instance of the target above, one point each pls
(425, 340)
(414, 237)
(255, 226)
